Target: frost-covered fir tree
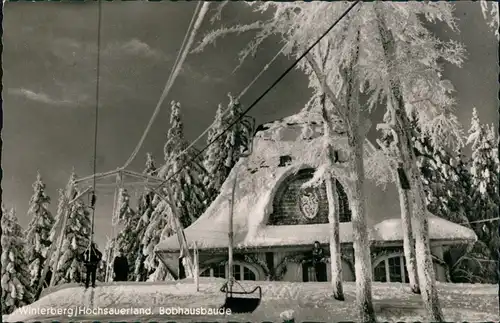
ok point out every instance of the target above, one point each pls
(128, 239)
(187, 186)
(237, 138)
(39, 228)
(15, 276)
(485, 183)
(447, 183)
(161, 226)
(216, 156)
(76, 239)
(144, 209)
(225, 148)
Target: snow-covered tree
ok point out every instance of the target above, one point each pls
(187, 185)
(238, 137)
(485, 183)
(145, 209)
(15, 276)
(215, 156)
(128, 238)
(161, 226)
(225, 148)
(38, 232)
(185, 191)
(76, 239)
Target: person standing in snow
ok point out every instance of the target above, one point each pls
(120, 267)
(91, 258)
(317, 260)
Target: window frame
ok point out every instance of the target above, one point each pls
(241, 265)
(385, 260)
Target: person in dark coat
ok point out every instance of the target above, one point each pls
(317, 261)
(91, 258)
(120, 267)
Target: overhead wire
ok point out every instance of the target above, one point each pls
(261, 96)
(96, 121)
(225, 111)
(175, 72)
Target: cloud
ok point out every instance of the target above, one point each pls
(135, 47)
(191, 72)
(44, 97)
(67, 47)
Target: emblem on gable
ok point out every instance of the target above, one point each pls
(309, 203)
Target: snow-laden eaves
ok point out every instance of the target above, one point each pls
(258, 179)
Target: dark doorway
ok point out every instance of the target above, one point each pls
(312, 273)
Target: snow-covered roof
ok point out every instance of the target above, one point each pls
(258, 179)
(439, 229)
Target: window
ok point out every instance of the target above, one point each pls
(240, 272)
(395, 274)
(248, 274)
(379, 274)
(391, 269)
(219, 271)
(237, 272)
(206, 273)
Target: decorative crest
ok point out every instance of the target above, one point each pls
(309, 203)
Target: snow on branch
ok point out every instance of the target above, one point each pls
(491, 15)
(318, 177)
(444, 130)
(379, 167)
(211, 37)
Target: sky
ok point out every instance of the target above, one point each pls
(49, 81)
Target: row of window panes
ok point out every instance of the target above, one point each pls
(238, 271)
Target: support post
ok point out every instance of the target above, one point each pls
(231, 234)
(114, 222)
(196, 267)
(178, 226)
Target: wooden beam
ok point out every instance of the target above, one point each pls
(98, 175)
(143, 176)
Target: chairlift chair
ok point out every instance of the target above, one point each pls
(240, 304)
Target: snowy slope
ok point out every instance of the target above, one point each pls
(310, 301)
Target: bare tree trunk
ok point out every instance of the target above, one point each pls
(405, 203)
(349, 111)
(333, 210)
(402, 128)
(361, 243)
(405, 198)
(425, 266)
(335, 252)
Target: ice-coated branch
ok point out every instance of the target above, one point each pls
(322, 79)
(218, 12)
(211, 37)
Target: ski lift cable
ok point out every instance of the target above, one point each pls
(262, 95)
(96, 121)
(226, 111)
(174, 74)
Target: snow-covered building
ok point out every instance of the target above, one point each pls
(276, 221)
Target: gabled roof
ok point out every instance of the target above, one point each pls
(258, 179)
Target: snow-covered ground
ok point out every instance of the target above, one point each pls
(310, 301)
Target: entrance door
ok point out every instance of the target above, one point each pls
(309, 272)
